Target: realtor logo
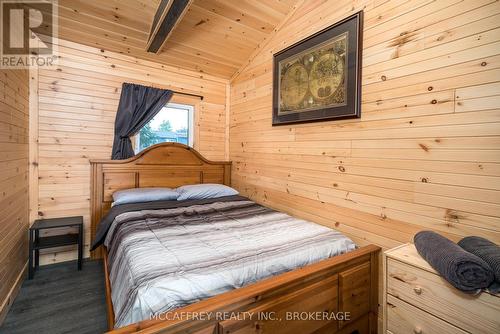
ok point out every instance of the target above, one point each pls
(28, 29)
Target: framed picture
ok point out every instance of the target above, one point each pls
(319, 78)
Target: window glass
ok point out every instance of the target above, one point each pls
(172, 124)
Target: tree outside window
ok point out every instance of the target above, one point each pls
(172, 124)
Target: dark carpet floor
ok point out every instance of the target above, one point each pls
(60, 299)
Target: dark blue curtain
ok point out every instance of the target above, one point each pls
(138, 105)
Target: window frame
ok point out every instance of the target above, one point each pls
(175, 105)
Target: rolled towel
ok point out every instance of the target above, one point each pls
(465, 271)
(486, 250)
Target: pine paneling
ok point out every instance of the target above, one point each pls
(426, 152)
(14, 106)
(76, 110)
(213, 37)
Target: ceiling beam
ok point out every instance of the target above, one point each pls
(168, 16)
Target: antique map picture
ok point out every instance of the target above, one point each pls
(315, 78)
(319, 77)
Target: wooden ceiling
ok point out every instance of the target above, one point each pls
(214, 37)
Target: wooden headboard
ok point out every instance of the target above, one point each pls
(162, 165)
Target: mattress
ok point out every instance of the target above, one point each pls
(165, 256)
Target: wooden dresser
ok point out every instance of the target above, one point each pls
(417, 300)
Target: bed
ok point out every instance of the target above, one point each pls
(221, 265)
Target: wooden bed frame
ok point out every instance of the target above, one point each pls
(312, 299)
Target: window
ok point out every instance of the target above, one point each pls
(174, 123)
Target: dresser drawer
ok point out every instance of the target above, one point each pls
(433, 294)
(403, 318)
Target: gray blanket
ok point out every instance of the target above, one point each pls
(463, 270)
(105, 223)
(486, 250)
(165, 258)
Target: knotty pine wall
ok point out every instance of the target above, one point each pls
(14, 106)
(77, 103)
(425, 153)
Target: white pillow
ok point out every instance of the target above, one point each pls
(205, 190)
(138, 195)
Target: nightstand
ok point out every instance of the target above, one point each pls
(36, 242)
(418, 300)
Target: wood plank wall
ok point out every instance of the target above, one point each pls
(14, 106)
(76, 111)
(426, 152)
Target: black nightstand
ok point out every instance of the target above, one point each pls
(36, 242)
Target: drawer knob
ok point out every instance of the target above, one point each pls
(417, 330)
(418, 290)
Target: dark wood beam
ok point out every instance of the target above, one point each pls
(168, 15)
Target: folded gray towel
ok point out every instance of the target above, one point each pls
(463, 270)
(486, 250)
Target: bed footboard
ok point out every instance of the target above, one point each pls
(337, 295)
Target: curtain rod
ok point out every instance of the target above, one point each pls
(188, 94)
